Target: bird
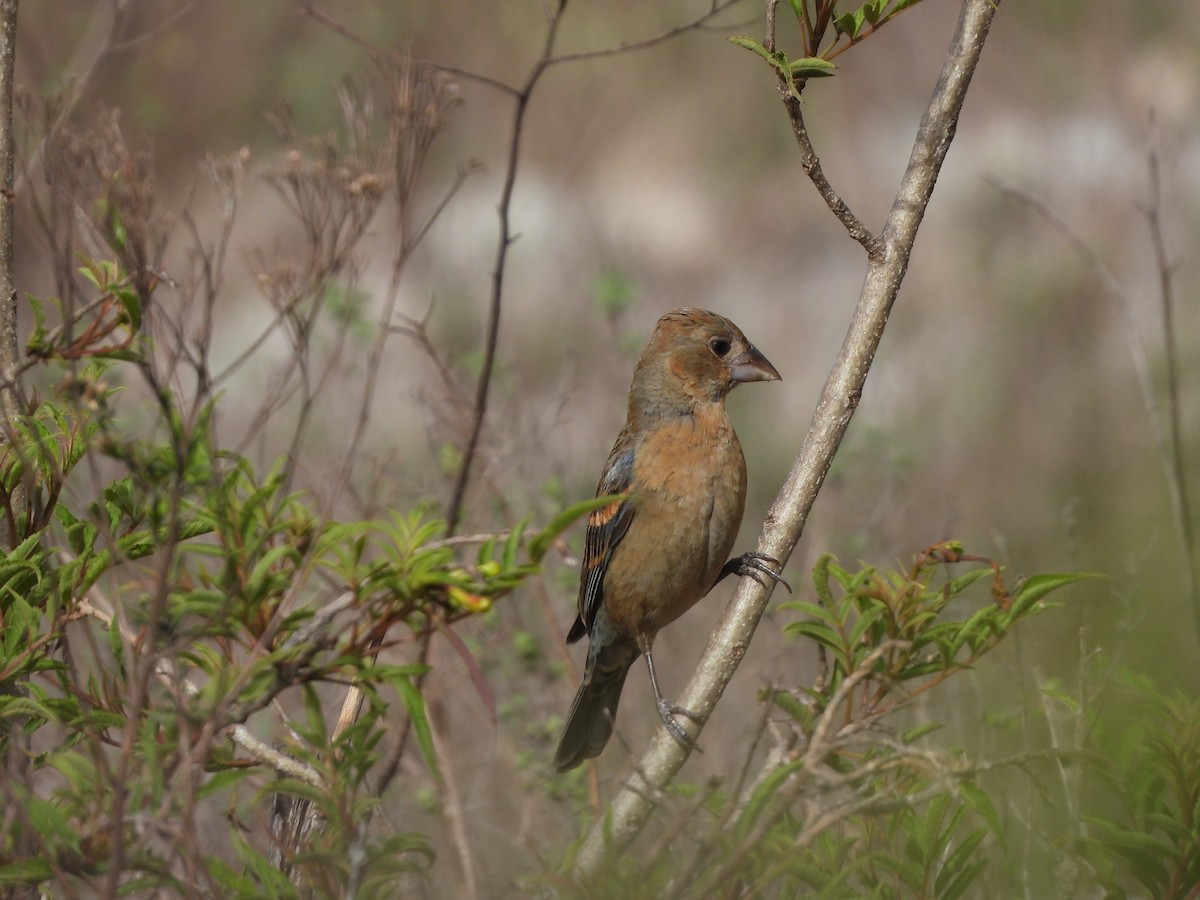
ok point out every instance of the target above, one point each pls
(678, 478)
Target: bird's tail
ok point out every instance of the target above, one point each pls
(590, 722)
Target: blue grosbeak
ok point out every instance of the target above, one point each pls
(651, 556)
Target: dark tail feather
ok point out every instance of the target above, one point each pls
(590, 722)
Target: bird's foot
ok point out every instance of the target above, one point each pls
(667, 711)
(755, 565)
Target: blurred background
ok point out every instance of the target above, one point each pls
(1004, 408)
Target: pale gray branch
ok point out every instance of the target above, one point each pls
(616, 829)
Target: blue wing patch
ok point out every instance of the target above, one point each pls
(605, 528)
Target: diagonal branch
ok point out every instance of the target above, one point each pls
(617, 828)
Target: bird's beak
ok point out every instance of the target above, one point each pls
(752, 366)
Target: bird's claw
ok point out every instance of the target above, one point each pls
(667, 711)
(755, 565)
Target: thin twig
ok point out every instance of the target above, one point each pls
(308, 8)
(10, 354)
(808, 154)
(267, 754)
(506, 238)
(452, 809)
(1166, 294)
(642, 44)
(812, 168)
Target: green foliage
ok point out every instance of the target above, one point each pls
(250, 601)
(790, 71)
(1147, 842)
(853, 799)
(885, 628)
(815, 18)
(615, 292)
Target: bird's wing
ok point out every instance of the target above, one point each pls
(605, 528)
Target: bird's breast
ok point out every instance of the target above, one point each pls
(690, 479)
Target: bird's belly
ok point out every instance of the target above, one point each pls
(686, 522)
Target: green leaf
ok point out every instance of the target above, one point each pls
(414, 703)
(955, 888)
(958, 863)
(51, 824)
(819, 632)
(873, 10)
(814, 610)
(981, 804)
(222, 780)
(763, 793)
(956, 586)
(800, 712)
(513, 544)
(1036, 587)
(540, 542)
(132, 304)
(915, 734)
(849, 24)
(25, 871)
(810, 67)
(754, 47)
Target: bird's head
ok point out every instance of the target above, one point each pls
(694, 357)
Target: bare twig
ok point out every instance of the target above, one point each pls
(1166, 294)
(812, 168)
(453, 811)
(808, 154)
(89, 55)
(454, 509)
(699, 22)
(617, 828)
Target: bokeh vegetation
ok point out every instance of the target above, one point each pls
(255, 262)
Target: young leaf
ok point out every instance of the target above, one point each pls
(754, 47)
(1036, 587)
(810, 67)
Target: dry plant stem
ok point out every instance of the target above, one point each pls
(10, 356)
(808, 154)
(453, 812)
(12, 733)
(1166, 293)
(85, 61)
(812, 168)
(615, 831)
(454, 510)
(1123, 304)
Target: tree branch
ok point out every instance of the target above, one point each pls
(457, 498)
(615, 831)
(10, 353)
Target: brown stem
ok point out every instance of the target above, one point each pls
(1166, 293)
(10, 355)
(454, 510)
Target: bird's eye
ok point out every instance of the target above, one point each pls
(719, 346)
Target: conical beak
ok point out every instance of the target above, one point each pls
(752, 366)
